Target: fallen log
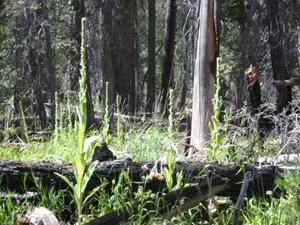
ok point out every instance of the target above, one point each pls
(172, 203)
(21, 176)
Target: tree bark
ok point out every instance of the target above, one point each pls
(253, 89)
(50, 59)
(14, 173)
(188, 37)
(125, 55)
(204, 75)
(35, 78)
(106, 47)
(168, 54)
(151, 57)
(34, 58)
(78, 8)
(290, 82)
(243, 62)
(280, 70)
(112, 52)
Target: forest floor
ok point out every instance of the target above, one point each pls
(145, 141)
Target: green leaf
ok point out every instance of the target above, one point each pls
(78, 168)
(78, 192)
(89, 173)
(89, 145)
(65, 179)
(91, 194)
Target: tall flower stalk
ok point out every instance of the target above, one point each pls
(85, 146)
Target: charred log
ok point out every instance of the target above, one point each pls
(16, 174)
(173, 202)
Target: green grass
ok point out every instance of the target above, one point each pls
(146, 141)
(142, 142)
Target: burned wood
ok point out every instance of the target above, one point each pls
(174, 202)
(31, 196)
(241, 198)
(253, 89)
(286, 83)
(15, 175)
(280, 160)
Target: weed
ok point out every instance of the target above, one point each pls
(171, 162)
(120, 133)
(106, 121)
(24, 129)
(85, 146)
(215, 151)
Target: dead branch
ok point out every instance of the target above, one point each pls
(286, 83)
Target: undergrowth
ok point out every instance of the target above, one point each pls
(149, 141)
(145, 141)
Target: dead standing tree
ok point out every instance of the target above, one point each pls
(151, 56)
(168, 54)
(205, 72)
(279, 65)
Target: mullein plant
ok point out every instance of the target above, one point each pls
(120, 132)
(106, 120)
(85, 146)
(168, 171)
(24, 129)
(69, 111)
(214, 150)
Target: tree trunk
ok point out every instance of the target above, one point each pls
(34, 66)
(168, 54)
(112, 51)
(243, 62)
(254, 89)
(290, 82)
(125, 56)
(36, 80)
(34, 58)
(188, 21)
(50, 60)
(137, 92)
(204, 75)
(78, 8)
(106, 47)
(280, 70)
(151, 57)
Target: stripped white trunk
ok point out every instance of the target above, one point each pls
(204, 76)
